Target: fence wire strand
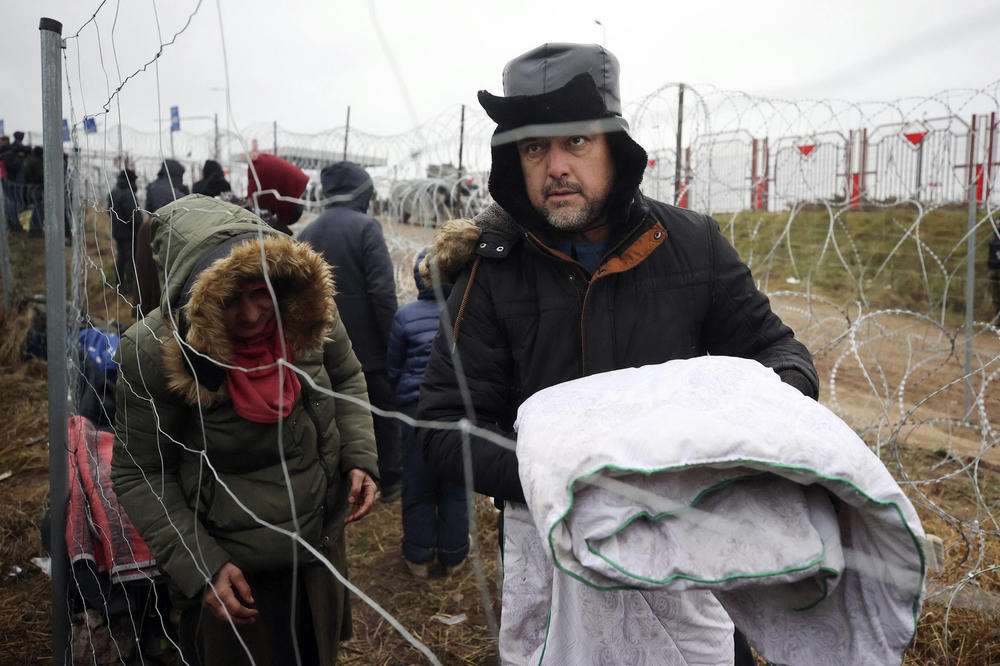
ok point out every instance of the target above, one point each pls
(845, 212)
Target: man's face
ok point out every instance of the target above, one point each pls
(568, 178)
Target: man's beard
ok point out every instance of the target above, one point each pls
(566, 218)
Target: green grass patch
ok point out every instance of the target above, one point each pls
(887, 258)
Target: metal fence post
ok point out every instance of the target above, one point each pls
(920, 169)
(55, 289)
(677, 150)
(970, 273)
(347, 131)
(461, 140)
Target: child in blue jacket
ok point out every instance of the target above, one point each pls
(435, 513)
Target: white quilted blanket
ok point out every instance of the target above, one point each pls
(665, 500)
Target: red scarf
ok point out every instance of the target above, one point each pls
(256, 394)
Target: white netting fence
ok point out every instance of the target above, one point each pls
(855, 219)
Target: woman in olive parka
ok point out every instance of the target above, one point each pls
(236, 469)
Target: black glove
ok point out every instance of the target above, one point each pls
(794, 378)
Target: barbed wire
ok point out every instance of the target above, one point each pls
(894, 374)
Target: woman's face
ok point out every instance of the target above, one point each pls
(248, 313)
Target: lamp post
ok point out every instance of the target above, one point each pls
(215, 119)
(228, 134)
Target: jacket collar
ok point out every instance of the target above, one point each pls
(500, 233)
(199, 348)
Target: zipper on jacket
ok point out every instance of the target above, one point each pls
(307, 398)
(583, 302)
(629, 238)
(206, 496)
(583, 346)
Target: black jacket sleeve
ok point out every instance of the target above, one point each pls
(741, 323)
(486, 370)
(379, 280)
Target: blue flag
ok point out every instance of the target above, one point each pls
(90, 125)
(175, 119)
(65, 130)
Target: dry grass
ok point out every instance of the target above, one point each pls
(376, 566)
(25, 597)
(960, 621)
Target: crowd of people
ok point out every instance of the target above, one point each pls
(257, 389)
(192, 265)
(23, 180)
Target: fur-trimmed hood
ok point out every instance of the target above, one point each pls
(455, 242)
(200, 279)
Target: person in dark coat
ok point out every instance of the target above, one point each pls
(13, 155)
(123, 207)
(435, 512)
(352, 242)
(574, 272)
(8, 172)
(146, 289)
(168, 186)
(213, 180)
(15, 192)
(993, 265)
(32, 176)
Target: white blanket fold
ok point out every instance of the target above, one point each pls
(665, 500)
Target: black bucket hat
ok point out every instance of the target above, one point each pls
(555, 90)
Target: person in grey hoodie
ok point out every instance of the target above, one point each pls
(168, 186)
(351, 241)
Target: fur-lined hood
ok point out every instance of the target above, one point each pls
(455, 242)
(206, 248)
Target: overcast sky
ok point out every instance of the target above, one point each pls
(397, 62)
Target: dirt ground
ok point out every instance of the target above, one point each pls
(898, 377)
(884, 376)
(425, 607)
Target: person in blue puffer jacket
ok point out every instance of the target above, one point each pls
(435, 512)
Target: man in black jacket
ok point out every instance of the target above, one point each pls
(352, 243)
(168, 186)
(213, 180)
(123, 207)
(13, 155)
(576, 272)
(32, 177)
